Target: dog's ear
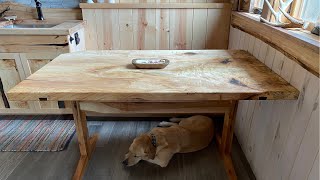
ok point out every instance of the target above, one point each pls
(151, 151)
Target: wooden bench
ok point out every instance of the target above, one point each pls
(195, 81)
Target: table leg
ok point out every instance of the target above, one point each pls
(225, 141)
(86, 144)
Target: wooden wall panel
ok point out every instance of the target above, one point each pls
(279, 138)
(162, 29)
(183, 28)
(91, 35)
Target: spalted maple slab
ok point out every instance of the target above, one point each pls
(192, 75)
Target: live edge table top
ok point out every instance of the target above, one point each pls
(192, 75)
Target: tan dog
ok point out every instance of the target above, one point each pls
(160, 144)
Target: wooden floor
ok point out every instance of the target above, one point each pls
(115, 138)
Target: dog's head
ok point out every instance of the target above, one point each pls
(140, 149)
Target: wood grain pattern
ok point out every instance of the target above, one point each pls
(106, 76)
(33, 40)
(304, 51)
(86, 144)
(286, 128)
(214, 107)
(141, 26)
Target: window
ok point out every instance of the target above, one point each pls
(308, 10)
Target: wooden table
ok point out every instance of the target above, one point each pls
(203, 81)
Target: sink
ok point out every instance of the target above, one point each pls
(11, 26)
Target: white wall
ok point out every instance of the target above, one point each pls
(279, 138)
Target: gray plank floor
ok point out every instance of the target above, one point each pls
(115, 138)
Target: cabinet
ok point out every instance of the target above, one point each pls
(16, 64)
(11, 73)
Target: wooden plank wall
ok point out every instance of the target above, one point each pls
(279, 138)
(157, 28)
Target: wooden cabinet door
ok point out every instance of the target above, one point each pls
(11, 73)
(32, 62)
(77, 41)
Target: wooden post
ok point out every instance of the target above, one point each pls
(225, 143)
(86, 145)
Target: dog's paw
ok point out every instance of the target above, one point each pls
(164, 124)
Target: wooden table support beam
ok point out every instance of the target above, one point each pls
(86, 145)
(225, 140)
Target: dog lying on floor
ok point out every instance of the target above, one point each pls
(180, 135)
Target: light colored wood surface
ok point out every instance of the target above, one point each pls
(166, 27)
(157, 108)
(191, 75)
(181, 5)
(86, 144)
(33, 49)
(301, 49)
(32, 40)
(26, 12)
(288, 129)
(62, 28)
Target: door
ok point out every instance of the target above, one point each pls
(11, 73)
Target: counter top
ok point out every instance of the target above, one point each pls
(62, 28)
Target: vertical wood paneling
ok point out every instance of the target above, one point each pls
(277, 62)
(280, 138)
(199, 28)
(241, 40)
(284, 118)
(263, 51)
(157, 28)
(251, 43)
(287, 69)
(235, 44)
(107, 29)
(181, 28)
(246, 41)
(271, 52)
(218, 24)
(150, 30)
(91, 36)
(301, 118)
(256, 48)
(309, 147)
(314, 173)
(231, 37)
(126, 29)
(163, 29)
